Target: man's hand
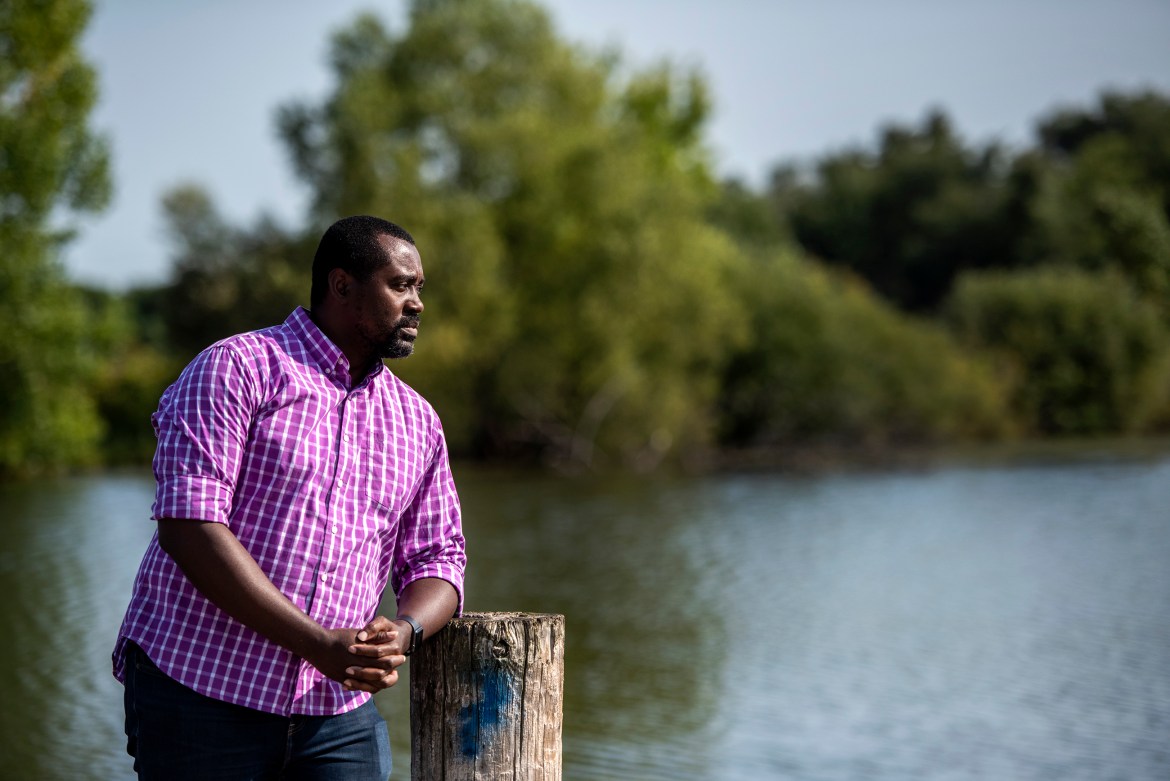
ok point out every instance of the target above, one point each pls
(383, 631)
(380, 639)
(360, 666)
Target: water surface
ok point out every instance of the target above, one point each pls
(1002, 621)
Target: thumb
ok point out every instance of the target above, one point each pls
(378, 626)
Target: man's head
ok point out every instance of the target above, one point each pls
(367, 280)
(354, 245)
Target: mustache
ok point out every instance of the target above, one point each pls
(408, 321)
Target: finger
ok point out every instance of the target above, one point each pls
(381, 664)
(370, 674)
(380, 625)
(361, 686)
(382, 638)
(388, 649)
(369, 679)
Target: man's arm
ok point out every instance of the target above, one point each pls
(215, 562)
(430, 601)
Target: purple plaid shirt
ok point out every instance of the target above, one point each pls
(333, 490)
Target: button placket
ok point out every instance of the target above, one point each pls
(346, 465)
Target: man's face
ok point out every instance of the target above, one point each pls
(387, 306)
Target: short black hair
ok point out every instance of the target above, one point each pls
(351, 244)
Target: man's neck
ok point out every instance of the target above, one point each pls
(360, 363)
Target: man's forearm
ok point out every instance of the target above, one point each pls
(430, 601)
(215, 562)
(219, 566)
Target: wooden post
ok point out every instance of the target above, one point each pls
(486, 698)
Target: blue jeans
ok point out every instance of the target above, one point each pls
(177, 734)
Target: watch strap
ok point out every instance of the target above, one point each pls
(416, 634)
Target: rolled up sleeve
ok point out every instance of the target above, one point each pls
(202, 426)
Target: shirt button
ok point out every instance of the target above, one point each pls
(336, 528)
(345, 437)
(325, 577)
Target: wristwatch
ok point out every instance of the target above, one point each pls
(416, 634)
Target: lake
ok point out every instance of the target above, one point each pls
(1001, 618)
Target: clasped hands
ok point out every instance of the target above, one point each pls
(366, 659)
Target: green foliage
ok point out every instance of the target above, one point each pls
(1140, 122)
(830, 362)
(127, 390)
(1088, 355)
(753, 220)
(51, 165)
(130, 375)
(924, 206)
(580, 301)
(50, 158)
(1104, 200)
(908, 217)
(47, 417)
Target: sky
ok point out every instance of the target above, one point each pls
(189, 89)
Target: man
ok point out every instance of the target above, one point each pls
(296, 477)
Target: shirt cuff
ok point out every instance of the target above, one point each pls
(192, 496)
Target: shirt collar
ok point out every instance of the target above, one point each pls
(321, 349)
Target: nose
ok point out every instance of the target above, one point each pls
(414, 304)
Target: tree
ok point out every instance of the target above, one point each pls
(133, 369)
(910, 216)
(754, 220)
(580, 300)
(51, 166)
(1140, 121)
(1103, 201)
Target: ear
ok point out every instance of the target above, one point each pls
(340, 282)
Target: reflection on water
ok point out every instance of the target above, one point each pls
(69, 553)
(958, 623)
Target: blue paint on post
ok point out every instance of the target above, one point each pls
(469, 732)
(482, 718)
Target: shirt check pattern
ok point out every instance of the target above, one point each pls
(333, 490)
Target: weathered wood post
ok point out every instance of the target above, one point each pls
(486, 699)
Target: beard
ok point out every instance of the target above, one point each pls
(399, 344)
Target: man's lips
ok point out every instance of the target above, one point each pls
(408, 328)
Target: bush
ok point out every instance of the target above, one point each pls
(127, 391)
(1089, 355)
(830, 362)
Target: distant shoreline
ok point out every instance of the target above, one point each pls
(817, 459)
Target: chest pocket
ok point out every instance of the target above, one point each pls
(380, 475)
(391, 475)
